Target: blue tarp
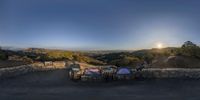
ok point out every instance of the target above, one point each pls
(124, 71)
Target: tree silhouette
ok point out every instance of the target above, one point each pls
(190, 49)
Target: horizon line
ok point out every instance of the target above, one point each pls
(78, 49)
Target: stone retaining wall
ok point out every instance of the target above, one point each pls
(168, 73)
(145, 73)
(23, 69)
(14, 71)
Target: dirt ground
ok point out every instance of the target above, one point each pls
(55, 85)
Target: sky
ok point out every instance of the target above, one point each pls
(99, 24)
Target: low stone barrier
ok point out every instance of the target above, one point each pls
(23, 69)
(15, 71)
(168, 73)
(145, 73)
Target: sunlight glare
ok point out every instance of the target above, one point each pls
(159, 45)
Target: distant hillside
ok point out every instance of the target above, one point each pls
(40, 54)
(53, 55)
(187, 56)
(102, 52)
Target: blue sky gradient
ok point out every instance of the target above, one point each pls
(98, 24)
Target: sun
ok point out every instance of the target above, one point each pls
(159, 45)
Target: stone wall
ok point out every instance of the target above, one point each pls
(50, 65)
(168, 73)
(145, 73)
(23, 69)
(59, 64)
(15, 71)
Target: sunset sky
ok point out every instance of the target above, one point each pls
(98, 24)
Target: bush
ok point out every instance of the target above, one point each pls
(126, 61)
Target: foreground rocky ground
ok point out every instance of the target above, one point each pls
(53, 85)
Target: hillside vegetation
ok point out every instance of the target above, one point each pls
(186, 56)
(59, 55)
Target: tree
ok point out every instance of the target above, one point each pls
(188, 44)
(190, 49)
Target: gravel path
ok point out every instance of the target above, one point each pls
(53, 85)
